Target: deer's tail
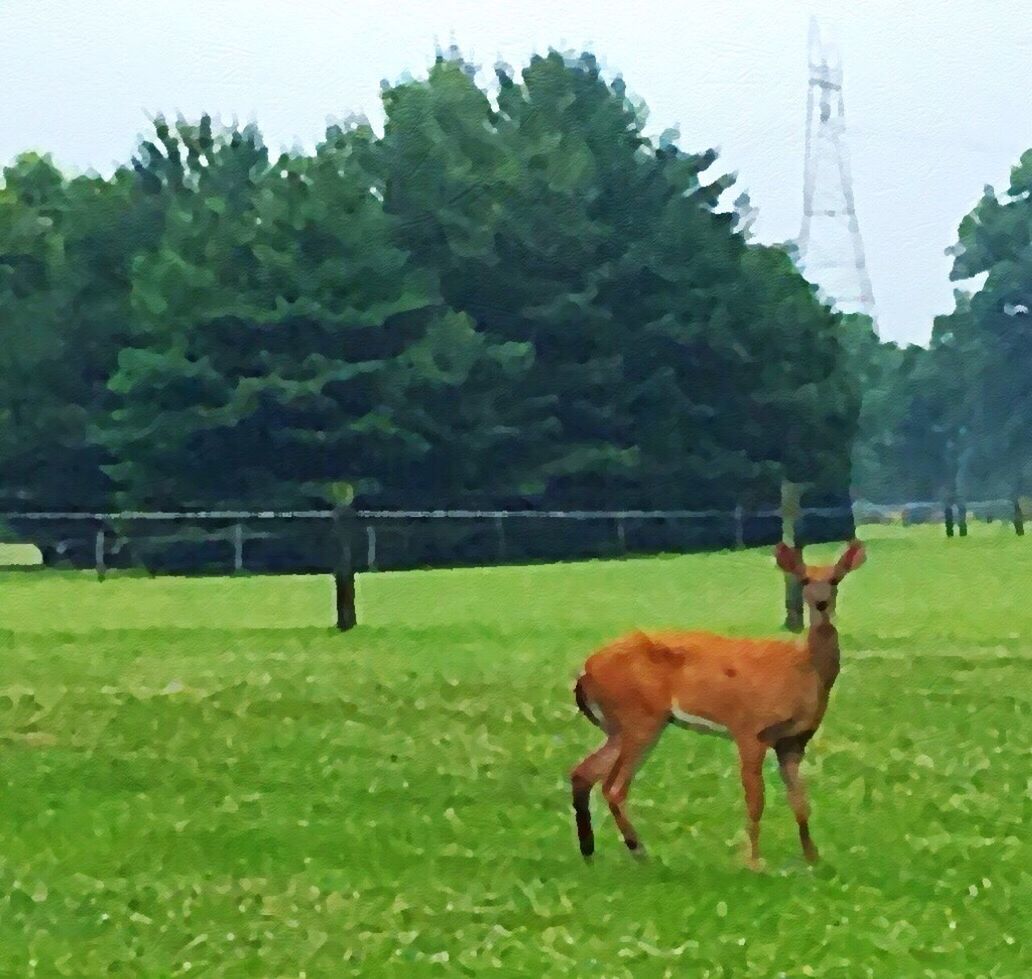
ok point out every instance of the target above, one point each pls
(582, 702)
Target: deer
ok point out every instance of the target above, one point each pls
(759, 693)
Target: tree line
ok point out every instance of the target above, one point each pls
(952, 422)
(507, 299)
(512, 299)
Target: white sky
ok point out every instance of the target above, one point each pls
(937, 98)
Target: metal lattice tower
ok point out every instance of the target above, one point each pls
(831, 251)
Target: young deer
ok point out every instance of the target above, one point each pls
(762, 693)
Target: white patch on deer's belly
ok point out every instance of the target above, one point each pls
(701, 724)
(596, 713)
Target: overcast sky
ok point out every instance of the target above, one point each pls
(937, 94)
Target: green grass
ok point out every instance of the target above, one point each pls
(201, 778)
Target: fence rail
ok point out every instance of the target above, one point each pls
(297, 540)
(346, 541)
(194, 540)
(860, 510)
(127, 515)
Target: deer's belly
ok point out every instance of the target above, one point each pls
(693, 722)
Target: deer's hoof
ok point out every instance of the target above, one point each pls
(636, 849)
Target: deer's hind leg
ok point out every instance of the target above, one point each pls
(635, 742)
(591, 770)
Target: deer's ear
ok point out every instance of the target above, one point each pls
(788, 558)
(853, 556)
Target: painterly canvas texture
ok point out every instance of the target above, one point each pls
(466, 524)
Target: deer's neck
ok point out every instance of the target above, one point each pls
(823, 645)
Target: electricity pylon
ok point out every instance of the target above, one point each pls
(831, 250)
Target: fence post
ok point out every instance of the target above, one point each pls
(370, 547)
(344, 570)
(621, 535)
(739, 528)
(791, 494)
(500, 531)
(238, 548)
(1019, 517)
(98, 555)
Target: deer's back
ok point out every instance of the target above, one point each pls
(737, 684)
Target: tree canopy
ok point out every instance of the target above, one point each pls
(511, 298)
(953, 421)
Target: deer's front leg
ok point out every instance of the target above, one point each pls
(751, 753)
(790, 757)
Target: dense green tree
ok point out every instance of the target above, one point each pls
(915, 436)
(507, 299)
(284, 334)
(606, 253)
(995, 239)
(65, 251)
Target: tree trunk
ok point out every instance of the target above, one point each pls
(621, 536)
(793, 603)
(1019, 516)
(962, 482)
(238, 548)
(344, 570)
(98, 555)
(345, 594)
(370, 547)
(950, 489)
(500, 535)
(791, 494)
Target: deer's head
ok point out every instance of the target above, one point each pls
(820, 582)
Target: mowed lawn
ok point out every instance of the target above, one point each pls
(201, 778)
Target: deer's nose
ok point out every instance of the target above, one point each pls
(821, 606)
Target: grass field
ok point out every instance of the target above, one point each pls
(201, 778)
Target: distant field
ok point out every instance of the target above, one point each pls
(201, 778)
(14, 555)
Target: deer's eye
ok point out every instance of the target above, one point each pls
(804, 581)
